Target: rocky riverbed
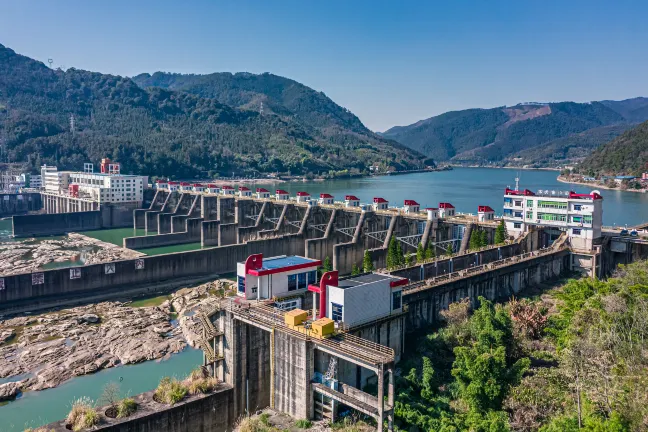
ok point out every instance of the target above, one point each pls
(43, 351)
(31, 254)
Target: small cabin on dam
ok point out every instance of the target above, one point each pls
(197, 187)
(303, 197)
(227, 190)
(485, 213)
(411, 206)
(262, 193)
(244, 191)
(173, 186)
(212, 189)
(326, 198)
(161, 184)
(355, 300)
(351, 201)
(380, 203)
(261, 278)
(282, 195)
(186, 187)
(446, 210)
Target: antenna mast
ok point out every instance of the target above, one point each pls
(517, 182)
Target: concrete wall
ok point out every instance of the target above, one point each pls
(209, 233)
(228, 234)
(501, 283)
(14, 204)
(55, 224)
(58, 287)
(208, 413)
(143, 242)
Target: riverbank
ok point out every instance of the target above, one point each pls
(562, 179)
(74, 249)
(43, 351)
(524, 168)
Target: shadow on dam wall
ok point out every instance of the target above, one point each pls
(31, 291)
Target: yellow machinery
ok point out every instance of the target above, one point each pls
(296, 319)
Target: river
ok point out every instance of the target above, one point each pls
(40, 407)
(466, 188)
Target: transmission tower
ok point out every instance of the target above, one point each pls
(72, 123)
(50, 61)
(261, 109)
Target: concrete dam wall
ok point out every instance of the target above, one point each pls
(15, 204)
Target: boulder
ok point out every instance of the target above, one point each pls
(89, 318)
(9, 391)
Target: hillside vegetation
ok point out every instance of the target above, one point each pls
(163, 132)
(540, 134)
(627, 154)
(571, 360)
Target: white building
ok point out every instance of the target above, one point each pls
(351, 201)
(485, 213)
(380, 203)
(358, 299)
(161, 184)
(212, 188)
(262, 193)
(227, 190)
(411, 206)
(108, 186)
(432, 213)
(244, 191)
(276, 277)
(579, 215)
(174, 186)
(198, 187)
(326, 198)
(303, 197)
(446, 210)
(282, 195)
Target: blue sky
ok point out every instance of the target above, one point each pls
(391, 63)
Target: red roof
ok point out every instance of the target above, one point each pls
(184, 184)
(198, 185)
(160, 181)
(525, 192)
(446, 206)
(262, 190)
(227, 187)
(173, 183)
(592, 195)
(212, 186)
(351, 198)
(380, 200)
(303, 194)
(482, 209)
(411, 203)
(281, 192)
(243, 189)
(325, 195)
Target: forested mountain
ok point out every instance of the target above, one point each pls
(627, 154)
(279, 95)
(542, 134)
(164, 132)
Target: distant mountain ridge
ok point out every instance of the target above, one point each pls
(166, 132)
(543, 134)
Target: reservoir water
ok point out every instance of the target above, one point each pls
(466, 188)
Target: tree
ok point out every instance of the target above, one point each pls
(484, 371)
(448, 250)
(367, 263)
(409, 259)
(500, 233)
(399, 254)
(392, 253)
(483, 238)
(420, 252)
(327, 266)
(110, 394)
(429, 251)
(355, 270)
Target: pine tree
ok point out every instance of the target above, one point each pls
(392, 253)
(475, 240)
(449, 249)
(327, 266)
(500, 233)
(420, 253)
(367, 263)
(399, 255)
(409, 259)
(429, 252)
(355, 270)
(483, 238)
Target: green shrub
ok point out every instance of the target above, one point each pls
(126, 407)
(303, 424)
(199, 382)
(170, 391)
(263, 418)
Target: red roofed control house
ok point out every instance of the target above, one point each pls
(186, 187)
(432, 213)
(326, 198)
(198, 187)
(244, 191)
(411, 206)
(303, 196)
(446, 210)
(485, 213)
(262, 193)
(227, 190)
(276, 277)
(380, 203)
(212, 189)
(351, 201)
(173, 186)
(282, 195)
(161, 184)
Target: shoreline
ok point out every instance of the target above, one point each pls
(503, 167)
(596, 186)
